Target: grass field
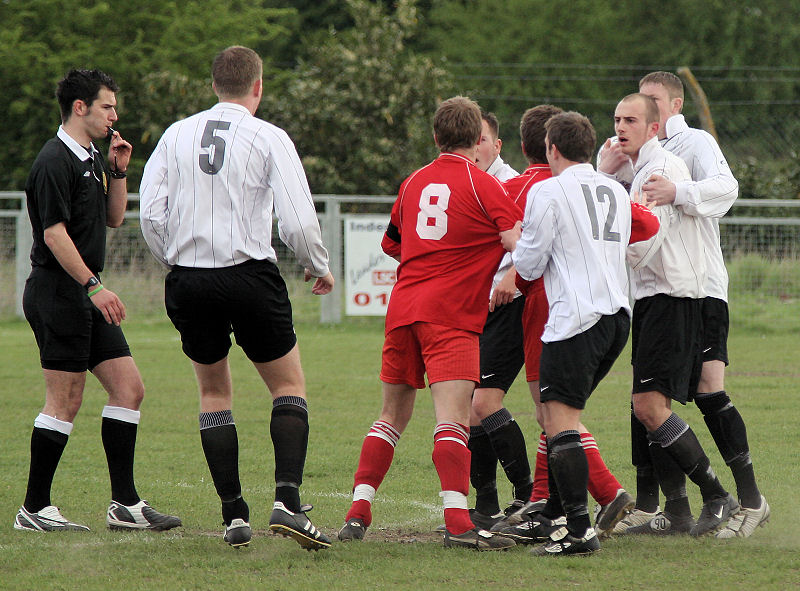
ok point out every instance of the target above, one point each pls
(401, 551)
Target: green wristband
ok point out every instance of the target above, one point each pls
(96, 290)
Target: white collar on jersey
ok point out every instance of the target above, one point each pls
(236, 106)
(675, 125)
(646, 153)
(76, 148)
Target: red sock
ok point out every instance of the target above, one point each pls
(451, 458)
(540, 486)
(603, 486)
(376, 456)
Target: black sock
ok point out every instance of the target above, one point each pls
(483, 471)
(46, 449)
(221, 448)
(672, 480)
(553, 507)
(289, 431)
(646, 480)
(678, 439)
(119, 442)
(730, 434)
(571, 471)
(508, 443)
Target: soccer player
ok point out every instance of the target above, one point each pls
(669, 274)
(577, 225)
(708, 196)
(73, 194)
(488, 158)
(448, 229)
(207, 197)
(502, 356)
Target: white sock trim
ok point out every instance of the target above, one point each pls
(453, 500)
(119, 413)
(44, 421)
(364, 492)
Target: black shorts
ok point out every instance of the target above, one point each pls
(502, 353)
(250, 300)
(70, 331)
(570, 370)
(715, 330)
(666, 346)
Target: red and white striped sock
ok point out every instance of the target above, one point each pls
(541, 488)
(602, 485)
(377, 453)
(451, 458)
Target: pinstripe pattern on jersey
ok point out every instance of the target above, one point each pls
(197, 219)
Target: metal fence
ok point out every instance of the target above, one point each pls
(760, 241)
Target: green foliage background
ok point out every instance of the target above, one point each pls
(355, 83)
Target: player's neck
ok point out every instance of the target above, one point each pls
(468, 153)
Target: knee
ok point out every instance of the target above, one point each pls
(648, 415)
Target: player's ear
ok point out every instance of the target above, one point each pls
(677, 105)
(257, 87)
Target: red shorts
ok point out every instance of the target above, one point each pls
(534, 317)
(444, 353)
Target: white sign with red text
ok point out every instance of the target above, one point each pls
(369, 273)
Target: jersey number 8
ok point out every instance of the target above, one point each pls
(432, 216)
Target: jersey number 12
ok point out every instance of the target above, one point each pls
(602, 193)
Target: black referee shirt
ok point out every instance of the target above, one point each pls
(63, 188)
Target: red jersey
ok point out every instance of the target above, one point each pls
(518, 188)
(444, 227)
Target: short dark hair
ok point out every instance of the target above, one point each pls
(532, 132)
(457, 124)
(573, 135)
(492, 122)
(83, 85)
(668, 80)
(235, 70)
(651, 114)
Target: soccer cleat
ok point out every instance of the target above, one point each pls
(297, 526)
(138, 516)
(354, 529)
(522, 513)
(610, 515)
(538, 529)
(663, 524)
(714, 515)
(47, 519)
(477, 539)
(743, 523)
(633, 519)
(238, 533)
(563, 543)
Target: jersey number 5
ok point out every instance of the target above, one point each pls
(211, 163)
(603, 193)
(432, 216)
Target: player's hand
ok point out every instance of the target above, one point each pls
(639, 198)
(659, 190)
(110, 306)
(504, 292)
(322, 286)
(119, 153)
(611, 157)
(509, 238)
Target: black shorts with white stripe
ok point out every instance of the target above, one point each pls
(666, 346)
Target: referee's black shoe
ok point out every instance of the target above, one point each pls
(297, 526)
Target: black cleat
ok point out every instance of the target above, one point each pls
(297, 526)
(238, 533)
(477, 539)
(563, 543)
(714, 515)
(610, 515)
(138, 516)
(538, 529)
(354, 529)
(663, 524)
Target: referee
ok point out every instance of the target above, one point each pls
(207, 196)
(72, 196)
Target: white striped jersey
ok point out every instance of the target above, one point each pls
(708, 196)
(575, 233)
(209, 189)
(673, 262)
